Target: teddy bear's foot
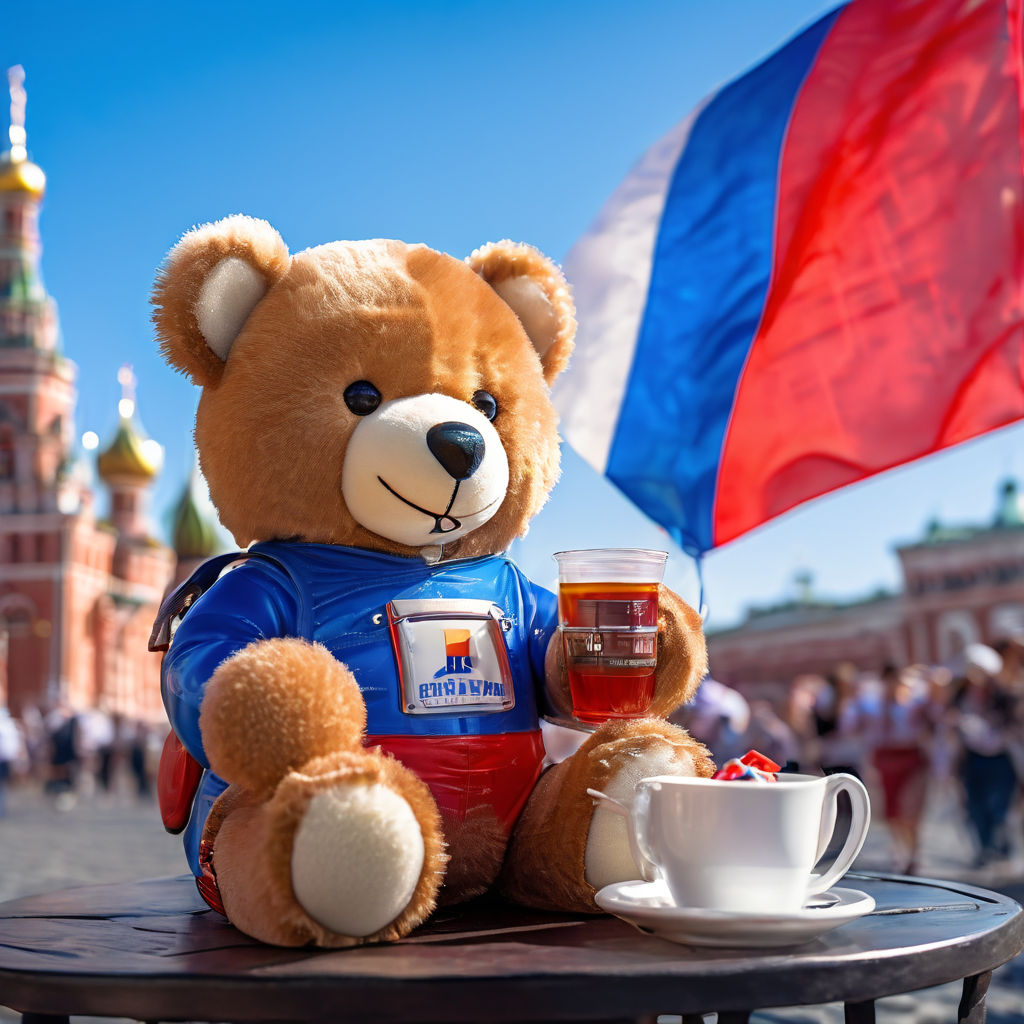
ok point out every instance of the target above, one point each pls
(348, 850)
(276, 705)
(357, 856)
(626, 757)
(564, 849)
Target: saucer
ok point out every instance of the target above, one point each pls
(648, 906)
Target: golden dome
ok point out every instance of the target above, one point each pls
(21, 176)
(127, 456)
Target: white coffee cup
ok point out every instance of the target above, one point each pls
(741, 846)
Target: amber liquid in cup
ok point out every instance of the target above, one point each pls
(609, 638)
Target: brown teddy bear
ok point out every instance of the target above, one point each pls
(363, 688)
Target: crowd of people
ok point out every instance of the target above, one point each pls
(954, 734)
(950, 733)
(70, 753)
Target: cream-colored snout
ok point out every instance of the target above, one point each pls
(426, 469)
(741, 847)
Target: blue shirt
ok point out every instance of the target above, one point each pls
(339, 597)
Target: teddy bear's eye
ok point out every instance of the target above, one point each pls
(362, 397)
(485, 402)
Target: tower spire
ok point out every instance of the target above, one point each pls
(16, 132)
(18, 175)
(128, 381)
(28, 316)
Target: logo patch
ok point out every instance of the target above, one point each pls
(451, 656)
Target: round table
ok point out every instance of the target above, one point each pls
(152, 951)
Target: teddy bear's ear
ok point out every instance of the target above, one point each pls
(537, 292)
(211, 282)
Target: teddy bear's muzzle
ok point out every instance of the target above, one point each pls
(422, 468)
(443, 522)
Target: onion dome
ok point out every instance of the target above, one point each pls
(21, 176)
(1008, 512)
(194, 535)
(129, 455)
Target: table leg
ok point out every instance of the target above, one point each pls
(859, 1013)
(972, 1002)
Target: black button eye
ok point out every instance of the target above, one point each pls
(485, 402)
(362, 397)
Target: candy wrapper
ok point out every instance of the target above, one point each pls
(753, 766)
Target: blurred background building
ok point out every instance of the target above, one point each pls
(961, 585)
(78, 589)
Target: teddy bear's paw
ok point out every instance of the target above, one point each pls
(275, 705)
(347, 850)
(357, 858)
(620, 764)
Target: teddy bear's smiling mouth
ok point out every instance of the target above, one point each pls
(443, 522)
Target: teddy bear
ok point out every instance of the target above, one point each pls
(360, 689)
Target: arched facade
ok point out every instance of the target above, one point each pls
(961, 585)
(954, 630)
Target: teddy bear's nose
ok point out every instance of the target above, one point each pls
(458, 447)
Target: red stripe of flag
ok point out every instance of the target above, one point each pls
(894, 321)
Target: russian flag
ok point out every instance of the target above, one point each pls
(816, 276)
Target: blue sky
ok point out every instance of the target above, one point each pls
(451, 124)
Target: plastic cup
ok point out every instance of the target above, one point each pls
(608, 620)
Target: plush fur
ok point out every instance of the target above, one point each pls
(335, 314)
(527, 280)
(283, 721)
(253, 839)
(256, 715)
(179, 286)
(682, 659)
(545, 865)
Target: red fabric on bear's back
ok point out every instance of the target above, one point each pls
(176, 783)
(472, 774)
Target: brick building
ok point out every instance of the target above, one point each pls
(78, 593)
(961, 584)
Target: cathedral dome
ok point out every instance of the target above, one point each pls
(194, 535)
(128, 456)
(21, 176)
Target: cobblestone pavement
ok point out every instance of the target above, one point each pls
(105, 839)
